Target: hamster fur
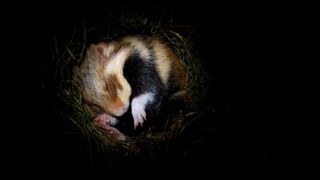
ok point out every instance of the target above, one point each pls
(133, 72)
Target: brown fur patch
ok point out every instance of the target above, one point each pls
(178, 71)
(119, 45)
(112, 84)
(118, 103)
(97, 49)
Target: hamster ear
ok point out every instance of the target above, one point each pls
(97, 49)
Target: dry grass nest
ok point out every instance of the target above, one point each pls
(69, 52)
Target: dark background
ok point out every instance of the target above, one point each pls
(233, 53)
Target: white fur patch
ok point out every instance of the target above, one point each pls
(144, 52)
(139, 46)
(116, 63)
(113, 121)
(138, 106)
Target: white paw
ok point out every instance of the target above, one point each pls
(138, 106)
(139, 115)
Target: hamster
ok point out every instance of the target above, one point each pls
(132, 73)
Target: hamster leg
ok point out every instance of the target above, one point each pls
(114, 132)
(138, 107)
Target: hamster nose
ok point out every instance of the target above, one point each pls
(123, 109)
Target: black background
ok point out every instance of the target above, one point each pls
(233, 50)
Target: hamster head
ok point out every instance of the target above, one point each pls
(105, 88)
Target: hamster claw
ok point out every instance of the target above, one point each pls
(138, 118)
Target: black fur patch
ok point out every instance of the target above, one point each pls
(143, 77)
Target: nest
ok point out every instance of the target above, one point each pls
(69, 53)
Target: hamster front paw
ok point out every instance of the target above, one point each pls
(139, 115)
(104, 120)
(138, 106)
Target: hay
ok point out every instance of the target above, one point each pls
(69, 53)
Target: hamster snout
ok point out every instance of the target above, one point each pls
(122, 110)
